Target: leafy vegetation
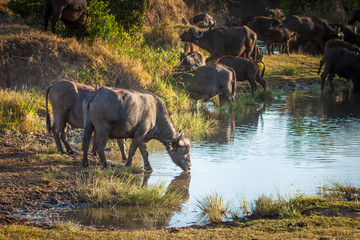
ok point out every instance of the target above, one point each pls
(332, 9)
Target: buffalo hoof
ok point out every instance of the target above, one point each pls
(148, 168)
(85, 164)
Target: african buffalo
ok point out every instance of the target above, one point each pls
(313, 29)
(276, 13)
(343, 44)
(245, 69)
(349, 32)
(261, 24)
(203, 20)
(71, 12)
(281, 36)
(191, 60)
(120, 113)
(66, 99)
(237, 41)
(206, 82)
(355, 17)
(342, 62)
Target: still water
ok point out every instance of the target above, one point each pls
(292, 146)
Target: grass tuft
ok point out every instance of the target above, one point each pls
(338, 190)
(19, 110)
(213, 208)
(114, 187)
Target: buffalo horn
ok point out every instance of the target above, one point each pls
(196, 34)
(179, 137)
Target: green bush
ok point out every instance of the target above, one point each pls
(101, 24)
(128, 13)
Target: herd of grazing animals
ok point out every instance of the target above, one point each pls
(121, 114)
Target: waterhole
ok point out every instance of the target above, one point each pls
(291, 146)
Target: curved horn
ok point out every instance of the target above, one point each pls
(179, 137)
(196, 34)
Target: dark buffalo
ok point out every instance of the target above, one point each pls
(190, 46)
(66, 99)
(71, 12)
(261, 24)
(281, 36)
(349, 32)
(338, 44)
(276, 13)
(343, 44)
(191, 60)
(245, 69)
(239, 41)
(206, 82)
(203, 20)
(120, 113)
(342, 62)
(355, 17)
(313, 29)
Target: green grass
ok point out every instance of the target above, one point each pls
(213, 208)
(54, 174)
(292, 66)
(19, 110)
(114, 187)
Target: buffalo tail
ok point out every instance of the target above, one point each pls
(86, 103)
(263, 71)
(321, 64)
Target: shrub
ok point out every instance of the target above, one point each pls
(102, 24)
(128, 13)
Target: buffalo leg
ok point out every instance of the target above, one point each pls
(330, 79)
(100, 143)
(323, 76)
(57, 128)
(145, 155)
(121, 143)
(136, 142)
(65, 141)
(88, 130)
(56, 17)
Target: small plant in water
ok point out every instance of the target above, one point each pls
(213, 208)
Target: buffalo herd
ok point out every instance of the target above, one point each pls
(234, 56)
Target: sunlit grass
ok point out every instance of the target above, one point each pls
(340, 190)
(292, 66)
(113, 187)
(213, 208)
(19, 110)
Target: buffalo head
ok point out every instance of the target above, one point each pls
(179, 150)
(191, 35)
